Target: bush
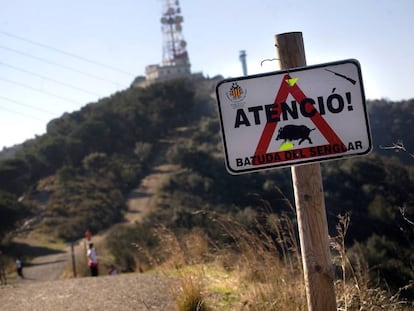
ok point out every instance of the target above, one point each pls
(389, 264)
(132, 247)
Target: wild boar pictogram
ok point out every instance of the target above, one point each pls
(294, 132)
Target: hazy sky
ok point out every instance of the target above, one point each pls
(113, 41)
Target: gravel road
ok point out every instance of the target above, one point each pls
(46, 268)
(123, 292)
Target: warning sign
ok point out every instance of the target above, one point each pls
(285, 118)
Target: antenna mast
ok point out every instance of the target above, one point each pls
(174, 45)
(242, 57)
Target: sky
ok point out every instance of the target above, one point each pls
(56, 56)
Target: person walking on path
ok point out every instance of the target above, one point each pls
(19, 267)
(92, 260)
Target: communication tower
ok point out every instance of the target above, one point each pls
(174, 45)
(175, 60)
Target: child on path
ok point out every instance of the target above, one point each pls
(92, 260)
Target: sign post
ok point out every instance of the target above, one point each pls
(310, 205)
(296, 117)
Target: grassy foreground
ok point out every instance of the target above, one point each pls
(262, 272)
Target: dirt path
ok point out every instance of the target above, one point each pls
(141, 200)
(46, 268)
(125, 292)
(48, 262)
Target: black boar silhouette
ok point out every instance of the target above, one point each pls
(294, 132)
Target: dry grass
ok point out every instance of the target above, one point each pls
(263, 272)
(353, 288)
(259, 274)
(177, 252)
(269, 266)
(190, 295)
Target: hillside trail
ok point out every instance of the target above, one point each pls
(50, 264)
(140, 201)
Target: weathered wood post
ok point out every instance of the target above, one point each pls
(310, 203)
(72, 250)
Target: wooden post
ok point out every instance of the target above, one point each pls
(310, 204)
(73, 259)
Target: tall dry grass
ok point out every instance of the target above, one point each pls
(262, 269)
(269, 264)
(190, 295)
(174, 256)
(353, 287)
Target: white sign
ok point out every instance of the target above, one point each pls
(291, 117)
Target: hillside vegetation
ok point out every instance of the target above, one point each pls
(77, 176)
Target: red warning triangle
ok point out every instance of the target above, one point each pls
(269, 129)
